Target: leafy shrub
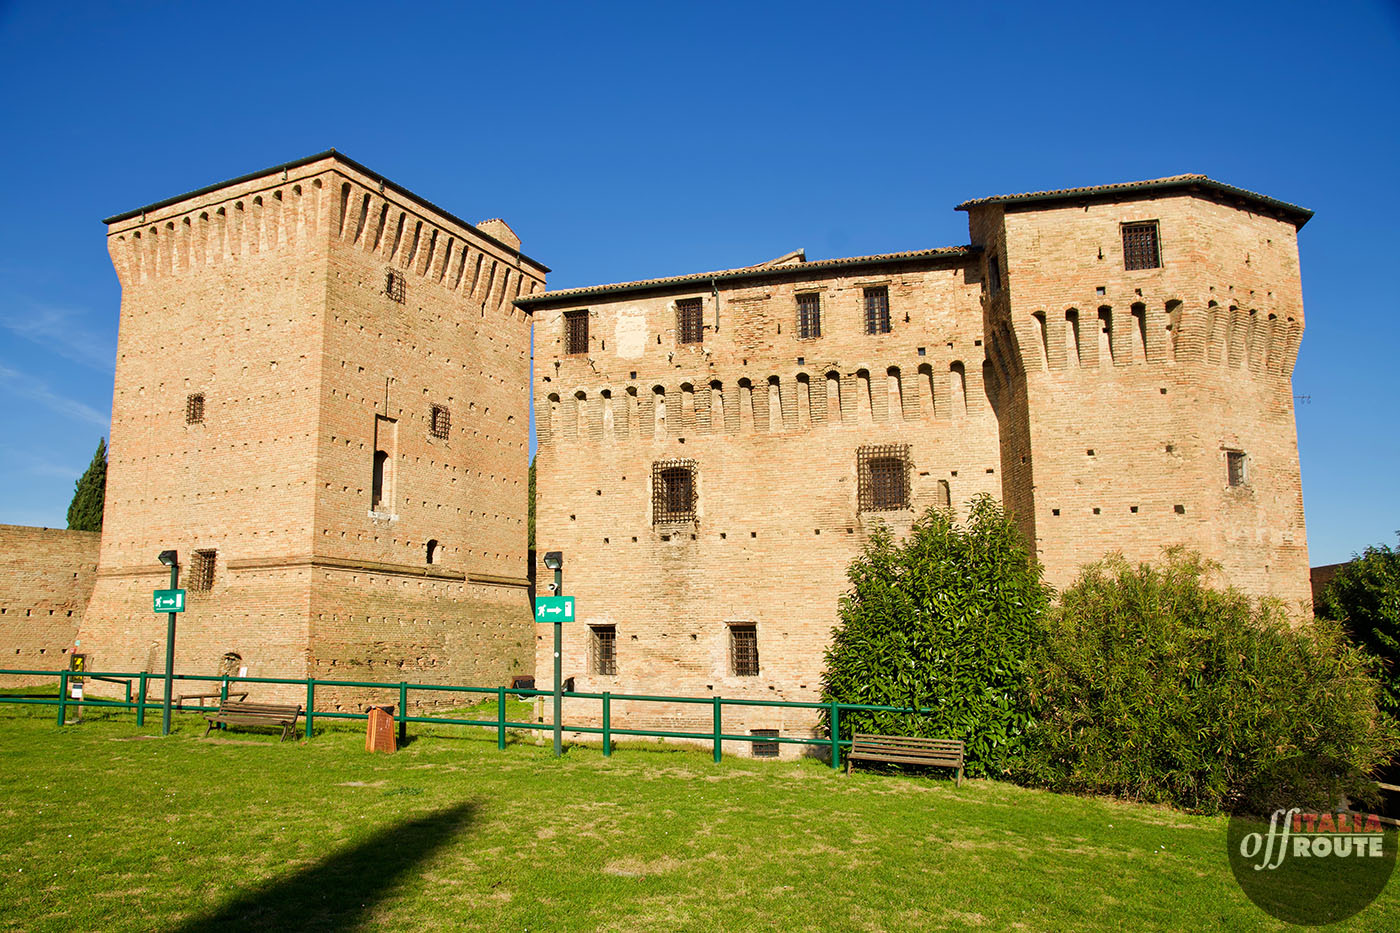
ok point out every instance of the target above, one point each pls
(943, 620)
(1365, 597)
(1152, 685)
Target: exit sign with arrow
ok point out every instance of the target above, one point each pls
(554, 609)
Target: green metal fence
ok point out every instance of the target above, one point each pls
(607, 731)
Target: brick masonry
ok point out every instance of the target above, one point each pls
(1116, 442)
(322, 313)
(46, 577)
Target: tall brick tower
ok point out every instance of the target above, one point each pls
(1141, 341)
(319, 403)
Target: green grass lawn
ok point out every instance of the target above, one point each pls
(107, 827)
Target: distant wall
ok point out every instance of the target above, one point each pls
(46, 577)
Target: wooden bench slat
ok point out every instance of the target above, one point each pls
(238, 713)
(906, 749)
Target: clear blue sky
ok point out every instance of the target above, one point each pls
(632, 140)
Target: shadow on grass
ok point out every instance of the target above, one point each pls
(338, 892)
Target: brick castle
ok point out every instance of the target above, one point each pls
(321, 401)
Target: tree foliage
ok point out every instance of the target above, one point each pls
(944, 620)
(89, 493)
(1365, 597)
(1149, 684)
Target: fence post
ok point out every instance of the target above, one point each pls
(607, 724)
(223, 691)
(128, 694)
(403, 711)
(719, 727)
(141, 702)
(835, 736)
(62, 697)
(500, 717)
(310, 706)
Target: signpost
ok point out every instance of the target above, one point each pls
(556, 609)
(169, 601)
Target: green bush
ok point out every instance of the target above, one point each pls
(943, 620)
(1365, 597)
(1152, 685)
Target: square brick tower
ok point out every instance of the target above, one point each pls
(319, 404)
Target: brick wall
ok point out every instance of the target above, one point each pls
(46, 577)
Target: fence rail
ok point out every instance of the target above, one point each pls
(607, 731)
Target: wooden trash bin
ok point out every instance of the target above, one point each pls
(379, 736)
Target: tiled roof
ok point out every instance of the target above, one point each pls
(1298, 215)
(746, 272)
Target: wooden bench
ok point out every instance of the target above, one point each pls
(255, 714)
(180, 700)
(905, 750)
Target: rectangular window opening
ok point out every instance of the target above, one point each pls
(1235, 463)
(201, 578)
(877, 310)
(394, 285)
(690, 320)
(993, 274)
(883, 475)
(603, 650)
(743, 650)
(1140, 248)
(809, 315)
(575, 332)
(673, 493)
(440, 422)
(194, 408)
(761, 749)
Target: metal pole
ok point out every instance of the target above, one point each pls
(836, 736)
(607, 724)
(719, 728)
(558, 669)
(500, 717)
(62, 698)
(170, 652)
(310, 726)
(141, 702)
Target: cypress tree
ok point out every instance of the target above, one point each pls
(531, 494)
(85, 511)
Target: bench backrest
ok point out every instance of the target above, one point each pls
(912, 746)
(270, 710)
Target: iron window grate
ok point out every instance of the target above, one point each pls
(689, 320)
(575, 332)
(673, 494)
(877, 310)
(809, 315)
(194, 408)
(201, 579)
(743, 650)
(394, 285)
(764, 749)
(440, 422)
(883, 472)
(1140, 249)
(604, 650)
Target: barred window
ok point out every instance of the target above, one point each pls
(440, 421)
(690, 320)
(1235, 467)
(809, 315)
(672, 491)
(201, 579)
(877, 310)
(764, 749)
(883, 477)
(194, 408)
(394, 285)
(1140, 249)
(743, 650)
(993, 274)
(602, 650)
(575, 332)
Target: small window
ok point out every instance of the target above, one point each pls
(194, 408)
(394, 285)
(201, 578)
(440, 422)
(883, 477)
(743, 650)
(877, 310)
(672, 491)
(689, 320)
(1235, 463)
(434, 551)
(602, 652)
(809, 315)
(575, 332)
(764, 749)
(993, 274)
(379, 483)
(1140, 246)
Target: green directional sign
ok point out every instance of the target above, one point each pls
(554, 609)
(169, 600)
